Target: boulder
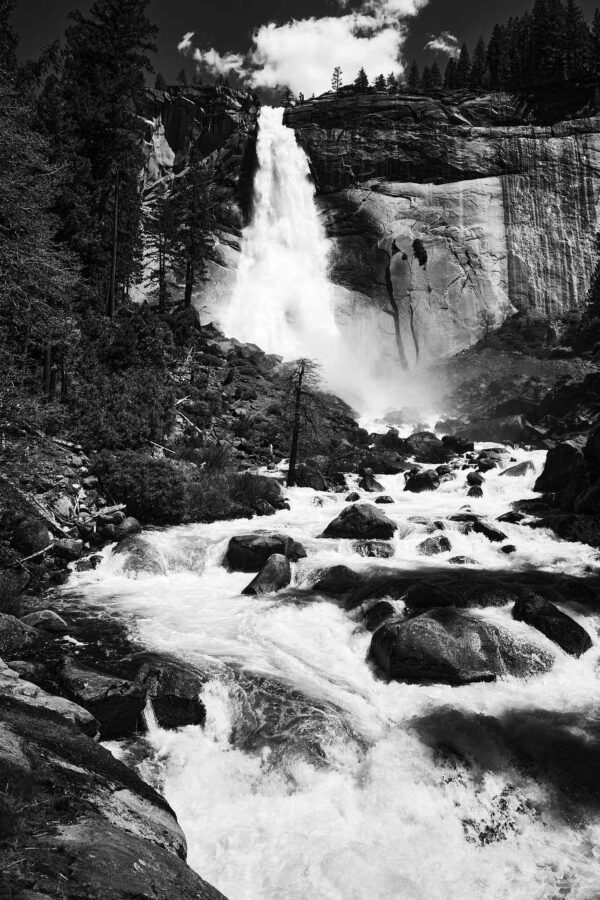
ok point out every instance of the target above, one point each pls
(363, 521)
(508, 549)
(463, 593)
(116, 703)
(463, 561)
(12, 685)
(475, 491)
(46, 620)
(458, 445)
(126, 528)
(173, 685)
(17, 637)
(369, 483)
(353, 497)
(374, 549)
(385, 500)
(591, 451)
(67, 548)
(336, 581)
(274, 575)
(556, 625)
(434, 545)
(12, 584)
(488, 531)
(88, 564)
(519, 470)
(142, 556)
(587, 501)
(475, 478)
(31, 536)
(448, 646)
(310, 478)
(512, 517)
(422, 481)
(378, 614)
(250, 552)
(563, 462)
(426, 447)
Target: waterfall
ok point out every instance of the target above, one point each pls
(283, 300)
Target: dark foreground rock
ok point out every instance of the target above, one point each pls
(250, 552)
(556, 625)
(115, 702)
(418, 482)
(274, 575)
(77, 823)
(362, 521)
(336, 581)
(173, 686)
(451, 647)
(17, 638)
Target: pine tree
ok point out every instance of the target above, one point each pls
(287, 97)
(463, 68)
(595, 49)
(380, 83)
(392, 84)
(426, 81)
(193, 240)
(182, 79)
(336, 79)
(8, 38)
(162, 229)
(160, 82)
(437, 80)
(361, 84)
(578, 61)
(414, 77)
(548, 27)
(497, 58)
(477, 81)
(450, 75)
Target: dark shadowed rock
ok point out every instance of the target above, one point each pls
(378, 614)
(47, 620)
(116, 703)
(310, 478)
(142, 556)
(508, 549)
(17, 638)
(67, 548)
(475, 491)
(591, 451)
(385, 500)
(419, 482)
(361, 521)
(563, 462)
(336, 581)
(512, 517)
(31, 536)
(488, 531)
(353, 497)
(519, 471)
(475, 478)
(274, 575)
(426, 447)
(463, 561)
(451, 647)
(435, 545)
(173, 685)
(127, 527)
(369, 483)
(12, 584)
(556, 625)
(250, 552)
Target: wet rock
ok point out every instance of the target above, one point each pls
(519, 471)
(361, 520)
(508, 549)
(116, 703)
(250, 552)
(378, 614)
(336, 581)
(369, 483)
(463, 561)
(435, 545)
(488, 531)
(462, 593)
(587, 502)
(173, 685)
(475, 478)
(31, 536)
(274, 575)
(67, 548)
(126, 528)
(13, 685)
(353, 497)
(374, 549)
(142, 556)
(512, 517)
(426, 447)
(475, 491)
(88, 564)
(384, 500)
(47, 620)
(486, 465)
(17, 638)
(557, 626)
(563, 463)
(419, 482)
(458, 445)
(310, 478)
(451, 647)
(387, 463)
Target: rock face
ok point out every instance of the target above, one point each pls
(452, 647)
(501, 193)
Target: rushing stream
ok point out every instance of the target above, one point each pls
(314, 777)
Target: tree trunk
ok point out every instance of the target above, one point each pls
(291, 478)
(189, 284)
(47, 369)
(110, 306)
(161, 274)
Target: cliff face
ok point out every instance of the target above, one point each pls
(504, 201)
(214, 129)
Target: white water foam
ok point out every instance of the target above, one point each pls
(396, 821)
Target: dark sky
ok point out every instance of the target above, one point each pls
(227, 24)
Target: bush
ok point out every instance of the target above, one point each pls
(120, 412)
(154, 490)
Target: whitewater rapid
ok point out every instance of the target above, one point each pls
(352, 795)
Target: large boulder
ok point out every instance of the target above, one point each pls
(369, 483)
(556, 625)
(274, 575)
(17, 638)
(336, 581)
(479, 526)
(31, 536)
(418, 482)
(434, 545)
(46, 620)
(142, 556)
(173, 686)
(116, 703)
(363, 521)
(426, 447)
(463, 593)
(452, 647)
(68, 549)
(126, 528)
(12, 685)
(310, 478)
(12, 584)
(563, 462)
(250, 552)
(520, 470)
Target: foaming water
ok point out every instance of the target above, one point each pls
(314, 777)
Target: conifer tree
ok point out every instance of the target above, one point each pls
(8, 38)
(450, 75)
(463, 68)
(160, 82)
(548, 33)
(193, 241)
(437, 80)
(578, 44)
(361, 83)
(392, 84)
(287, 97)
(182, 79)
(477, 81)
(426, 81)
(380, 83)
(336, 79)
(497, 58)
(414, 77)
(595, 43)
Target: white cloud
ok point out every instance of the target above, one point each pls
(185, 45)
(301, 54)
(445, 42)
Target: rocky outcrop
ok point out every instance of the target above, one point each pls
(500, 193)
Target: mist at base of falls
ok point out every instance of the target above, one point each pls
(283, 300)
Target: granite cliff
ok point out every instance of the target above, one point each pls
(501, 195)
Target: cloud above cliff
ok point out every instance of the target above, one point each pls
(302, 53)
(446, 42)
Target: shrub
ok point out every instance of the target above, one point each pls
(154, 490)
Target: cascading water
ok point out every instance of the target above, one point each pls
(314, 777)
